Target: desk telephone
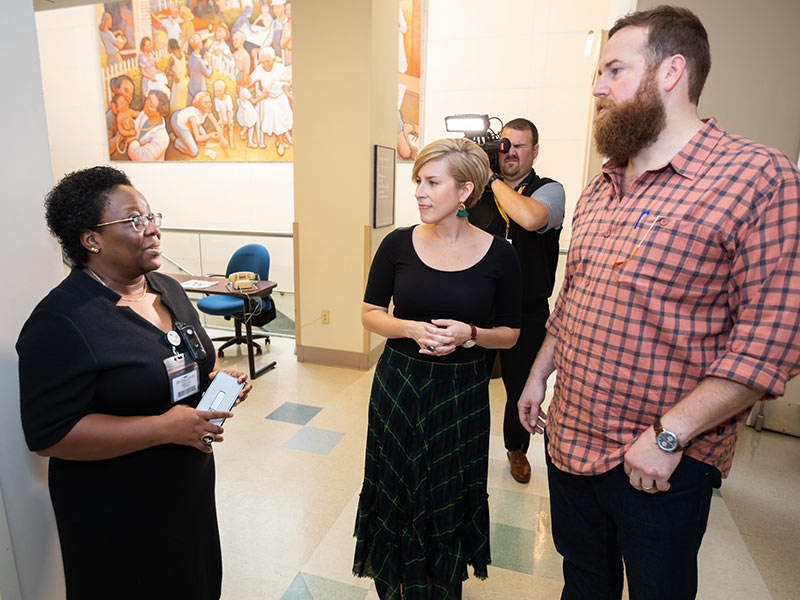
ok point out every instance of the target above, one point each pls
(243, 280)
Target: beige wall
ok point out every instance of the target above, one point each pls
(753, 88)
(345, 95)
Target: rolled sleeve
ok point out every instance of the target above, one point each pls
(763, 350)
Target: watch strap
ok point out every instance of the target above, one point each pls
(473, 332)
(492, 178)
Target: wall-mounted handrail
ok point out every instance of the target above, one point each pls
(208, 230)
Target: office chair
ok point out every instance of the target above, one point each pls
(255, 258)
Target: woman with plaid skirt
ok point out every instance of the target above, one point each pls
(423, 513)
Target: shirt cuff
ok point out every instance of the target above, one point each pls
(749, 371)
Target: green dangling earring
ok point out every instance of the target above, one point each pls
(462, 210)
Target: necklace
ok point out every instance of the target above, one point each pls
(144, 287)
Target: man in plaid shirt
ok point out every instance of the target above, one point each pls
(679, 310)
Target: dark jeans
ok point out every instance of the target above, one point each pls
(516, 364)
(600, 520)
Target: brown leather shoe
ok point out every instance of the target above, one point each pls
(520, 467)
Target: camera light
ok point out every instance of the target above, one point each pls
(475, 124)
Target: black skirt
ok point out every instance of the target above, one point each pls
(423, 512)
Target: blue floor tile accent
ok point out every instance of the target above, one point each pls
(290, 412)
(511, 547)
(312, 587)
(311, 439)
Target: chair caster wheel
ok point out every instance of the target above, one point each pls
(220, 354)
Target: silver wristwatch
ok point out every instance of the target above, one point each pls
(666, 440)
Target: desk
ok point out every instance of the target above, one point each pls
(262, 289)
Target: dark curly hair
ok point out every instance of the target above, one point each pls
(75, 204)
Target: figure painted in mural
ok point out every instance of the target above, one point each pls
(241, 58)
(125, 115)
(286, 35)
(123, 85)
(152, 78)
(171, 23)
(152, 138)
(246, 114)
(423, 511)
(223, 105)
(406, 136)
(679, 309)
(219, 51)
(198, 68)
(274, 112)
(113, 41)
(187, 124)
(187, 28)
(179, 76)
(402, 60)
(275, 29)
(131, 479)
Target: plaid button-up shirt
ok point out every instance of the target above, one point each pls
(712, 290)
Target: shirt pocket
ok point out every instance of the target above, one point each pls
(681, 261)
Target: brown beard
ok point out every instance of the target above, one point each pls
(623, 130)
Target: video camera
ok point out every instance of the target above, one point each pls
(476, 128)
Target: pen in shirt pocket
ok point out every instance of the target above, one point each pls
(643, 214)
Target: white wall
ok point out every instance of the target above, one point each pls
(31, 268)
(513, 59)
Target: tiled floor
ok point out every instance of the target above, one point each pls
(289, 473)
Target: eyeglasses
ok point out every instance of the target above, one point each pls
(139, 222)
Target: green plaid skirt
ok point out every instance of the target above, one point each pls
(423, 512)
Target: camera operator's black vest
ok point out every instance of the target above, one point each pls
(538, 252)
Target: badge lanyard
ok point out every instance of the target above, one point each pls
(183, 373)
(503, 213)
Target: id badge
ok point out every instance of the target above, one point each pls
(184, 376)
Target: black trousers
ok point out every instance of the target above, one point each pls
(599, 521)
(515, 364)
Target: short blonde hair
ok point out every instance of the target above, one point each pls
(465, 161)
(198, 99)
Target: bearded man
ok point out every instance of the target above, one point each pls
(679, 309)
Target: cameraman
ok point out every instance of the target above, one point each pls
(527, 210)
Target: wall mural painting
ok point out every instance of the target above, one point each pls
(197, 80)
(408, 79)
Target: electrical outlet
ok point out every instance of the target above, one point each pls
(326, 317)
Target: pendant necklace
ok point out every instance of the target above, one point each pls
(142, 295)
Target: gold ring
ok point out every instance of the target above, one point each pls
(644, 487)
(207, 439)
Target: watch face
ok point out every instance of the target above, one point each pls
(468, 344)
(667, 441)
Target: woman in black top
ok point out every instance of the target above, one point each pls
(423, 514)
(130, 477)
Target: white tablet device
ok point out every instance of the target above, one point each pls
(220, 395)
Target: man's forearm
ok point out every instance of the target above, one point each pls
(544, 364)
(712, 402)
(531, 214)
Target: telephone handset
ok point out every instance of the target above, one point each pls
(243, 280)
